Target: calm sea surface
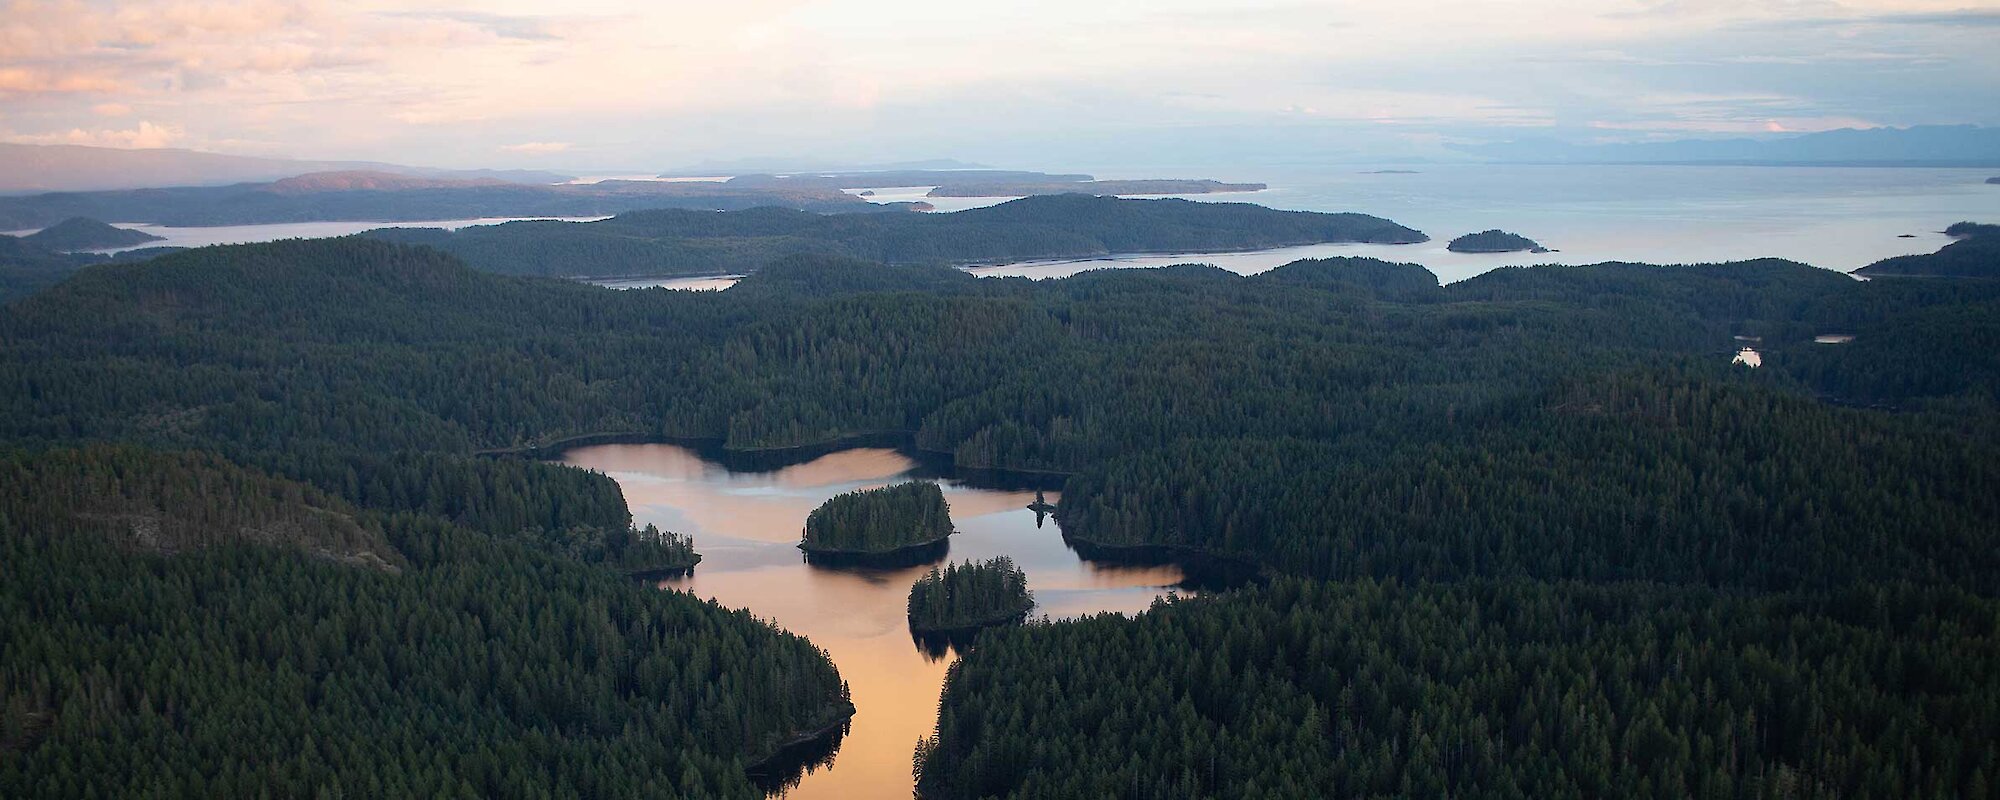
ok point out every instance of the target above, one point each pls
(1837, 218)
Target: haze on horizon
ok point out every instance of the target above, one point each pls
(1048, 84)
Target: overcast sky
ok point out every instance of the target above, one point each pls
(1038, 83)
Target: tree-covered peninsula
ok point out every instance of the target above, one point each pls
(966, 597)
(908, 521)
(688, 242)
(175, 625)
(1975, 254)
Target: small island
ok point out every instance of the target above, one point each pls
(904, 524)
(963, 598)
(1495, 241)
(84, 233)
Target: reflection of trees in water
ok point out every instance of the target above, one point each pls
(940, 645)
(787, 768)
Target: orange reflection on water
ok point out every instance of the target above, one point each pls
(746, 524)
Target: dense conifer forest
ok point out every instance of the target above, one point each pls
(1545, 485)
(908, 514)
(175, 626)
(970, 595)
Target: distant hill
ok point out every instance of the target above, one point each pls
(374, 195)
(84, 233)
(357, 180)
(681, 242)
(1976, 254)
(26, 168)
(1150, 186)
(781, 166)
(1923, 145)
(1495, 241)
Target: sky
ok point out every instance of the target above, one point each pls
(593, 84)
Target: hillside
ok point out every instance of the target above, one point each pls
(173, 624)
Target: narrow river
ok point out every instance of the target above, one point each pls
(746, 523)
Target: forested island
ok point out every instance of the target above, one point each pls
(1495, 241)
(904, 522)
(83, 233)
(962, 598)
(1125, 187)
(1529, 534)
(681, 242)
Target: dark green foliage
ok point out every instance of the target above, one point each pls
(83, 233)
(1488, 689)
(1381, 280)
(969, 595)
(1494, 241)
(684, 242)
(642, 551)
(481, 669)
(1975, 255)
(1332, 419)
(894, 517)
(178, 502)
(1635, 477)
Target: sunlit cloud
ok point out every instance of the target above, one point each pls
(145, 135)
(648, 83)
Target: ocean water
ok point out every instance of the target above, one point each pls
(1838, 218)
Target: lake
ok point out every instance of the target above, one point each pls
(1834, 217)
(746, 525)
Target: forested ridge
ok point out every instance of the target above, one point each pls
(1503, 689)
(1563, 438)
(691, 242)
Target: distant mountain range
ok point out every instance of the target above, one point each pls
(29, 168)
(1920, 146)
